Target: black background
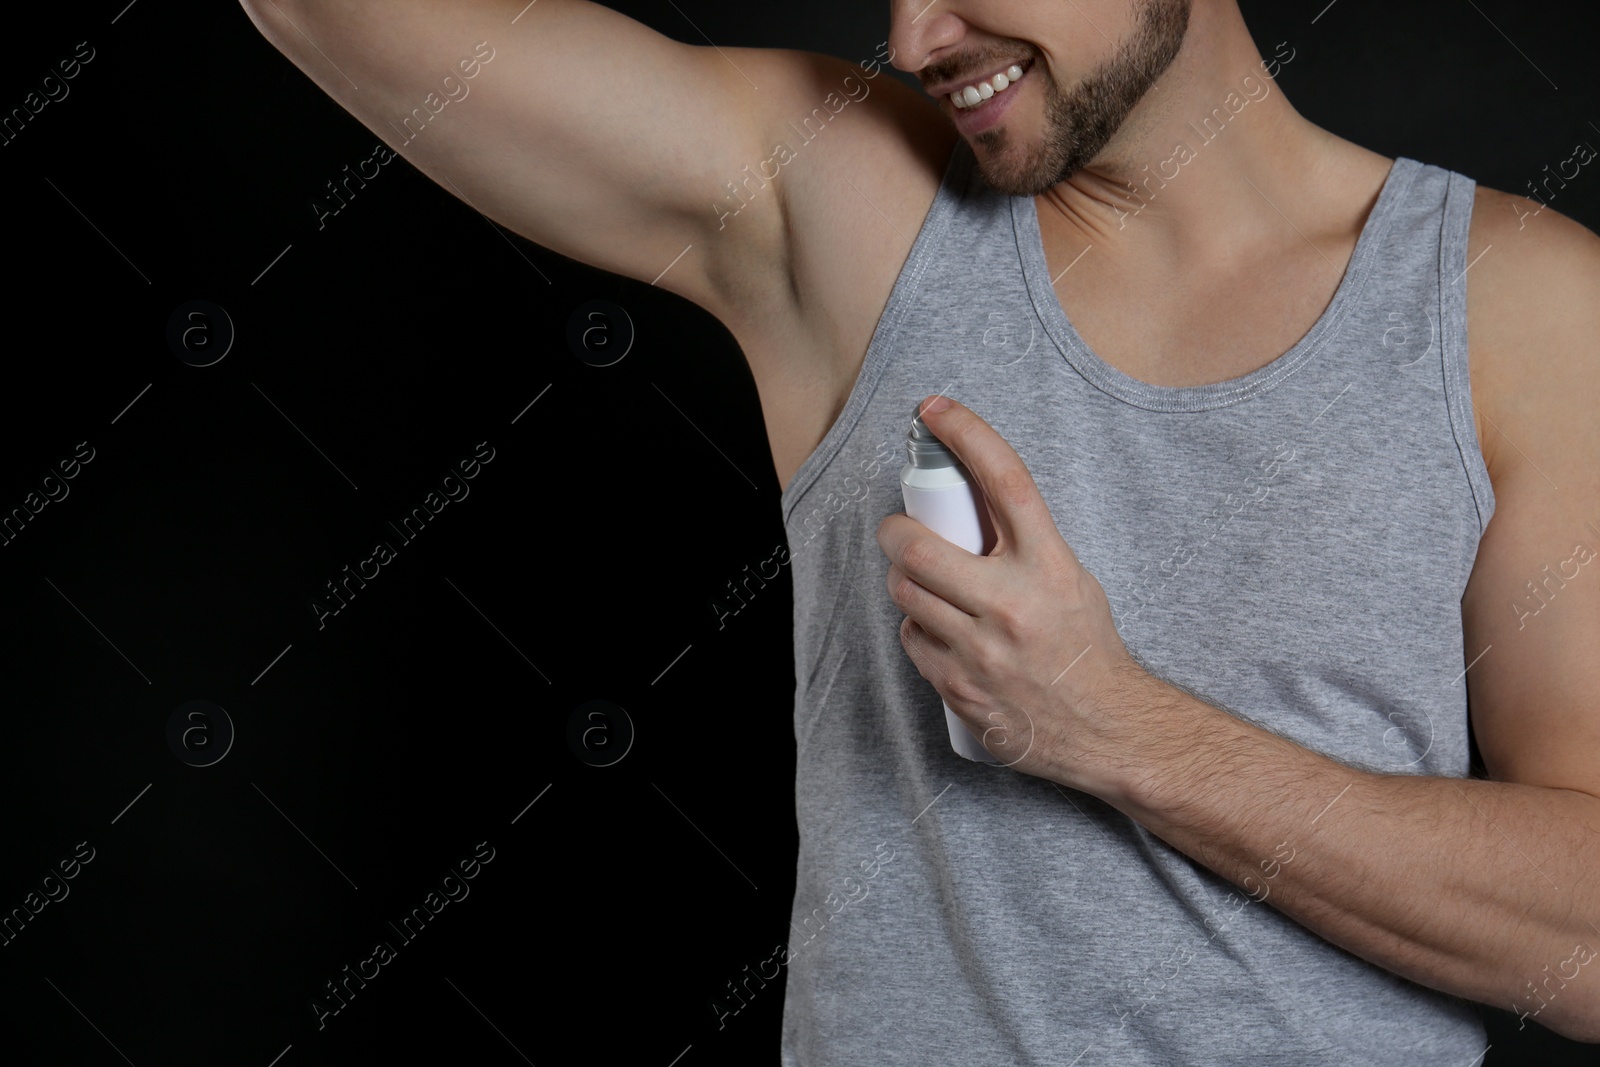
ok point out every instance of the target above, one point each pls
(432, 713)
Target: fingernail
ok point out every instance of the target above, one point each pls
(939, 403)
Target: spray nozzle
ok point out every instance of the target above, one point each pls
(925, 450)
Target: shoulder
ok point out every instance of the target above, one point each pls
(1533, 325)
(866, 158)
(1533, 316)
(856, 111)
(1534, 244)
(848, 150)
(850, 162)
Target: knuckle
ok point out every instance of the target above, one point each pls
(1014, 485)
(918, 555)
(1009, 619)
(960, 690)
(966, 424)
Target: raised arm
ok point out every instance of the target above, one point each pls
(577, 127)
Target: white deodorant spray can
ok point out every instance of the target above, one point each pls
(941, 494)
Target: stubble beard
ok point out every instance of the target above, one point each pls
(1079, 124)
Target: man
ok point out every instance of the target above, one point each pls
(1211, 373)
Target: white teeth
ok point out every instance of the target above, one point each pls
(978, 92)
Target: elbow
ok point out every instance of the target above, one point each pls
(1565, 1000)
(260, 14)
(271, 17)
(1580, 1022)
(285, 25)
(1587, 1031)
(257, 10)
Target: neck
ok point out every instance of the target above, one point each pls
(1195, 171)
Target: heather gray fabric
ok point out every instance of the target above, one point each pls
(1292, 545)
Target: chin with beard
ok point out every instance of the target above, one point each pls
(1080, 123)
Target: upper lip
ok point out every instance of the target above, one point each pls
(949, 87)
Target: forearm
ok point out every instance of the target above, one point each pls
(1480, 889)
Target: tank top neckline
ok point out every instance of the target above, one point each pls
(1141, 394)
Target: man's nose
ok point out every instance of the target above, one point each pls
(918, 29)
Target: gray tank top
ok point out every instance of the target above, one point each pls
(1292, 545)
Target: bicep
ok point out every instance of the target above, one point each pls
(1532, 606)
(581, 129)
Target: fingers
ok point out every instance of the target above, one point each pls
(1021, 517)
(941, 619)
(928, 559)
